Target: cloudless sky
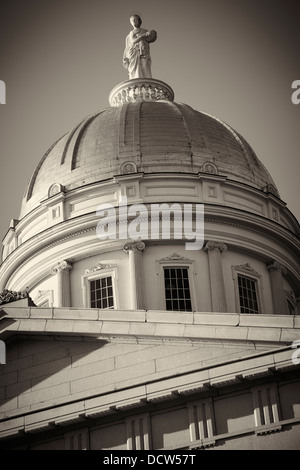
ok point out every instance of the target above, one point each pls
(235, 59)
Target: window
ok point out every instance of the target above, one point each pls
(248, 289)
(177, 289)
(176, 284)
(102, 293)
(247, 295)
(99, 287)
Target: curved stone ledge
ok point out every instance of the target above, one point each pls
(140, 89)
(137, 325)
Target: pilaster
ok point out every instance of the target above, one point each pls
(62, 272)
(135, 250)
(215, 250)
(277, 270)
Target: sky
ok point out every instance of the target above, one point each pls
(235, 59)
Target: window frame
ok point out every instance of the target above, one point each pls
(99, 272)
(247, 271)
(177, 299)
(93, 288)
(175, 261)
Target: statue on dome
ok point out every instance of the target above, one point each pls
(136, 56)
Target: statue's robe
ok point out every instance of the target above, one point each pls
(139, 61)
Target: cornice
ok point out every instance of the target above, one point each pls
(115, 181)
(106, 325)
(214, 214)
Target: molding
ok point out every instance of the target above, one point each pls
(99, 267)
(215, 246)
(61, 266)
(247, 269)
(276, 266)
(174, 257)
(136, 246)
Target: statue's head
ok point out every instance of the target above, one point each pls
(136, 21)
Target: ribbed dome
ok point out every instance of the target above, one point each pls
(149, 137)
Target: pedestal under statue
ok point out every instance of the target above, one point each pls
(136, 56)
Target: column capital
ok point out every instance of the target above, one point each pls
(137, 246)
(215, 246)
(276, 266)
(61, 266)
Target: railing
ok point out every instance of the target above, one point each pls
(140, 89)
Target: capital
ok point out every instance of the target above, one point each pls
(215, 246)
(61, 266)
(276, 266)
(137, 246)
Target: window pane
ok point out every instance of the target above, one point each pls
(187, 294)
(177, 289)
(174, 293)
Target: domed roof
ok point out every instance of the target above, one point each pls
(149, 137)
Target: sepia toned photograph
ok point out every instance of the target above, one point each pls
(150, 243)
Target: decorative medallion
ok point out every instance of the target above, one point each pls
(54, 189)
(128, 167)
(210, 168)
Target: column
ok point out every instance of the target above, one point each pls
(62, 272)
(215, 250)
(279, 298)
(135, 250)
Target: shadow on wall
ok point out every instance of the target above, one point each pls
(39, 371)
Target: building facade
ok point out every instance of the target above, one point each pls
(149, 343)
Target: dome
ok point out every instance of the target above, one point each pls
(159, 136)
